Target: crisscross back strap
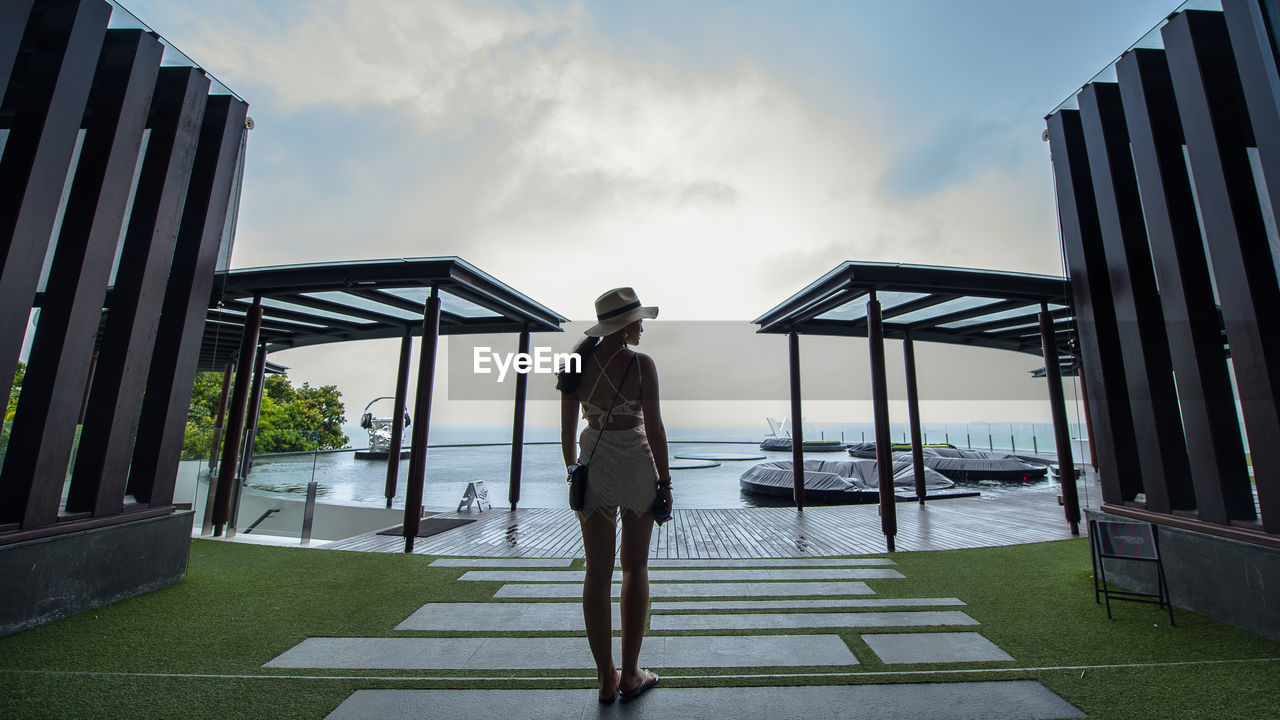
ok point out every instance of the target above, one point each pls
(612, 405)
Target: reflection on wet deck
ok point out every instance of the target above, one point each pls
(1006, 519)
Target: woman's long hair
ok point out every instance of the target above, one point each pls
(568, 376)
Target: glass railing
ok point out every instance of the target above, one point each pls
(1151, 40)
(122, 18)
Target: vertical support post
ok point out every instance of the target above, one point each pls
(250, 432)
(88, 385)
(517, 427)
(1058, 409)
(222, 416)
(880, 407)
(235, 421)
(913, 416)
(1088, 421)
(397, 427)
(421, 411)
(254, 410)
(797, 431)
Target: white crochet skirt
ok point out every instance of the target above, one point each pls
(622, 475)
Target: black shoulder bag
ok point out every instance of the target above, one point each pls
(578, 471)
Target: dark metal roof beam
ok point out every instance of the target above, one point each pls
(964, 315)
(1003, 323)
(835, 281)
(909, 307)
(338, 308)
(1062, 320)
(807, 310)
(282, 314)
(486, 292)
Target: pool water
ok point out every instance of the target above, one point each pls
(344, 480)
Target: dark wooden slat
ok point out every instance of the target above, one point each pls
(1253, 41)
(1218, 471)
(1102, 366)
(48, 100)
(1144, 345)
(13, 21)
(62, 349)
(1216, 125)
(173, 364)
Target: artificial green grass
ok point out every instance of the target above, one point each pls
(172, 652)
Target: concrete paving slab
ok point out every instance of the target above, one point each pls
(898, 649)
(708, 651)
(743, 575)
(767, 562)
(503, 562)
(812, 604)
(999, 700)
(670, 590)
(792, 621)
(501, 617)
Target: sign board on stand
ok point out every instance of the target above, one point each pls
(478, 494)
(1129, 540)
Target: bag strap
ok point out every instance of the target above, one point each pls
(612, 405)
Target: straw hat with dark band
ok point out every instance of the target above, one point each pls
(617, 309)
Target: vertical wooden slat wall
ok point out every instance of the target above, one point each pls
(79, 104)
(1157, 182)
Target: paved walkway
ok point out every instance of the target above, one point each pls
(544, 639)
(717, 577)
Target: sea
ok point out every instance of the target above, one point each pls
(459, 455)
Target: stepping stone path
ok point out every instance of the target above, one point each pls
(512, 633)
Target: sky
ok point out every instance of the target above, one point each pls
(716, 156)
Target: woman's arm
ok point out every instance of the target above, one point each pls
(569, 427)
(654, 430)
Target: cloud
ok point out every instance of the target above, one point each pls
(570, 152)
(513, 137)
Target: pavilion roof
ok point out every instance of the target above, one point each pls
(314, 304)
(962, 306)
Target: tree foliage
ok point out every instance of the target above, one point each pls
(15, 390)
(292, 419)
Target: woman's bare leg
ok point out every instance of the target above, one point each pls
(598, 536)
(637, 529)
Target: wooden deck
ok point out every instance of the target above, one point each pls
(1006, 519)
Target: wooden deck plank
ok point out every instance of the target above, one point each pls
(1007, 519)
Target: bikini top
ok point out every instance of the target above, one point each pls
(626, 408)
